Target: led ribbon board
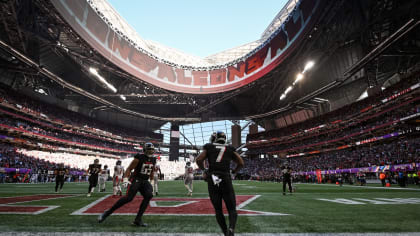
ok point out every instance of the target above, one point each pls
(123, 53)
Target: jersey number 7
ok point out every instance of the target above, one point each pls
(221, 152)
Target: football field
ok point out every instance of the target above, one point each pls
(262, 208)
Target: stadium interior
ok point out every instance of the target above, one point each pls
(330, 90)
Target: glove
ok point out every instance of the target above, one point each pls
(126, 182)
(232, 174)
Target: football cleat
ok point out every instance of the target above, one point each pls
(88, 195)
(139, 224)
(102, 217)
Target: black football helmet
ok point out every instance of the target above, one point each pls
(149, 149)
(105, 167)
(220, 137)
(118, 163)
(212, 137)
(96, 161)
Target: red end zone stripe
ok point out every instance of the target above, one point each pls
(8, 200)
(196, 206)
(21, 209)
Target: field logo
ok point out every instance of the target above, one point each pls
(7, 204)
(376, 201)
(171, 206)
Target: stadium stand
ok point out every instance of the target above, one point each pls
(372, 132)
(43, 123)
(36, 136)
(35, 168)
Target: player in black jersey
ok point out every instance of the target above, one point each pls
(143, 165)
(60, 174)
(218, 177)
(287, 179)
(93, 172)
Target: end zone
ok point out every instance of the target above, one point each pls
(186, 207)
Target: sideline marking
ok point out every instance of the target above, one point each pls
(351, 186)
(154, 204)
(187, 207)
(202, 234)
(8, 204)
(374, 201)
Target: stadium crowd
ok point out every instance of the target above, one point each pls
(393, 152)
(344, 138)
(46, 116)
(26, 126)
(41, 170)
(348, 113)
(358, 121)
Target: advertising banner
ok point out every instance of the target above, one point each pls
(123, 52)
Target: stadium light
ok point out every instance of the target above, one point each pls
(282, 96)
(288, 90)
(123, 97)
(93, 71)
(322, 99)
(299, 77)
(102, 79)
(308, 66)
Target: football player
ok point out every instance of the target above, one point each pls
(287, 179)
(218, 177)
(103, 177)
(138, 181)
(156, 174)
(60, 174)
(93, 172)
(188, 178)
(117, 178)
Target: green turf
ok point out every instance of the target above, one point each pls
(307, 214)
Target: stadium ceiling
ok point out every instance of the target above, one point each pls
(39, 48)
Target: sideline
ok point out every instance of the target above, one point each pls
(352, 186)
(198, 234)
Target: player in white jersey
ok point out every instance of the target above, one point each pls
(188, 178)
(117, 178)
(103, 177)
(156, 176)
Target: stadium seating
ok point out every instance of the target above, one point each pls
(41, 169)
(373, 131)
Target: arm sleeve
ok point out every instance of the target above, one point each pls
(207, 146)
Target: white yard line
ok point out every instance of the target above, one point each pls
(81, 210)
(47, 208)
(242, 205)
